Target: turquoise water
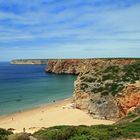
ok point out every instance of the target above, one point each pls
(27, 86)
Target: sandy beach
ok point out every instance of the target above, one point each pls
(59, 113)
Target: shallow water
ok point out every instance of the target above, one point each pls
(27, 86)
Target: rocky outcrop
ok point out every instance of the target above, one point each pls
(103, 86)
(62, 66)
(76, 66)
(29, 61)
(109, 92)
(128, 100)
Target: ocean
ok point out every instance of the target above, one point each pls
(28, 86)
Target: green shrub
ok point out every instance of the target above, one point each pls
(116, 74)
(112, 69)
(4, 134)
(83, 86)
(104, 93)
(90, 79)
(98, 132)
(19, 136)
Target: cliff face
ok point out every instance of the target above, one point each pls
(104, 87)
(109, 88)
(29, 61)
(65, 66)
(75, 66)
(129, 99)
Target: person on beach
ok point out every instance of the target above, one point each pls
(24, 130)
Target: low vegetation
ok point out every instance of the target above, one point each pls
(111, 79)
(4, 134)
(100, 132)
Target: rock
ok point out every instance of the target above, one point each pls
(101, 84)
(103, 107)
(75, 66)
(69, 66)
(81, 100)
(32, 138)
(105, 92)
(129, 100)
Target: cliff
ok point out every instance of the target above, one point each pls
(64, 66)
(75, 66)
(106, 88)
(29, 61)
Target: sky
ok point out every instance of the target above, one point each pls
(69, 29)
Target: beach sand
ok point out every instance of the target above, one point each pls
(59, 113)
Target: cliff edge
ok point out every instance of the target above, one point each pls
(105, 88)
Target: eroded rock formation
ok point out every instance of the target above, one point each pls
(129, 99)
(104, 87)
(62, 66)
(75, 66)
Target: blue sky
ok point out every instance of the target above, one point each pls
(69, 28)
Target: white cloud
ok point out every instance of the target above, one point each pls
(74, 23)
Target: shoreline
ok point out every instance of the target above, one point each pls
(36, 107)
(52, 114)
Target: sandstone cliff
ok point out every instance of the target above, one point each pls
(75, 66)
(104, 87)
(65, 66)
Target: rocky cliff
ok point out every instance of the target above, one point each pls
(75, 66)
(29, 61)
(65, 66)
(106, 88)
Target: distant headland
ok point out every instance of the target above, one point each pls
(29, 61)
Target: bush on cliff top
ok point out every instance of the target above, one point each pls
(117, 75)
